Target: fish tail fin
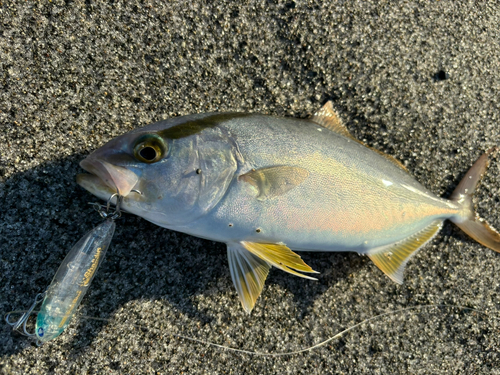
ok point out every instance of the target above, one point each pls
(469, 221)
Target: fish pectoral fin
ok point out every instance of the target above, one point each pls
(328, 118)
(274, 181)
(392, 259)
(249, 272)
(279, 256)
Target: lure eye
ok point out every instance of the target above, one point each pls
(150, 148)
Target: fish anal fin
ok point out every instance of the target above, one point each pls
(328, 118)
(274, 181)
(249, 273)
(279, 256)
(392, 259)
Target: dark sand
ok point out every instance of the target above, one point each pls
(419, 81)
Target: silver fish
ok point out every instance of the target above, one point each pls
(266, 185)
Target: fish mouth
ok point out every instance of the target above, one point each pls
(106, 178)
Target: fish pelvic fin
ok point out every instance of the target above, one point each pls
(470, 222)
(391, 259)
(249, 273)
(249, 264)
(279, 256)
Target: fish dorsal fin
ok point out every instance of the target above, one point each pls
(279, 256)
(390, 158)
(249, 272)
(274, 181)
(392, 259)
(328, 118)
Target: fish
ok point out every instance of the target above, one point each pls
(269, 187)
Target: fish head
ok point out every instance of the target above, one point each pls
(181, 175)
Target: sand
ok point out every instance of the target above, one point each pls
(418, 80)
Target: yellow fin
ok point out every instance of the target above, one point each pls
(392, 259)
(328, 118)
(280, 257)
(275, 181)
(249, 272)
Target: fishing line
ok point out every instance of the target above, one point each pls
(306, 349)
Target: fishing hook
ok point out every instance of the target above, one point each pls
(23, 320)
(104, 211)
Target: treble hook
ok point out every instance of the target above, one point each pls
(104, 211)
(23, 320)
(116, 213)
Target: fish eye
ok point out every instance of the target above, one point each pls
(150, 148)
(149, 153)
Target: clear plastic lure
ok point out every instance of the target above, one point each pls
(72, 281)
(73, 278)
(69, 285)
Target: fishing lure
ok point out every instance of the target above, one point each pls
(72, 279)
